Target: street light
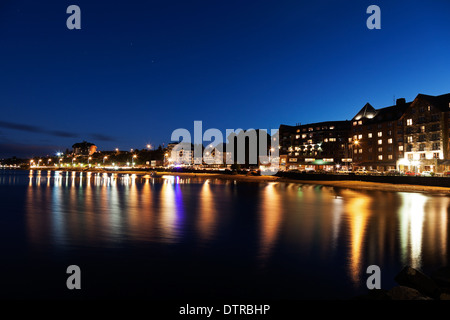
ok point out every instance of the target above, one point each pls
(104, 158)
(132, 162)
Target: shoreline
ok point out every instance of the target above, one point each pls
(350, 184)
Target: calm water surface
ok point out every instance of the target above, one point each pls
(188, 238)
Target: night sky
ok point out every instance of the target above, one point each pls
(137, 70)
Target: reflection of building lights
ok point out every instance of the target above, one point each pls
(411, 216)
(358, 210)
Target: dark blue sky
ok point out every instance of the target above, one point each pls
(137, 69)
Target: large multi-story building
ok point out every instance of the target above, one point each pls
(424, 144)
(314, 146)
(408, 136)
(375, 136)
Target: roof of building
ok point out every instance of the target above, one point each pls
(366, 112)
(286, 127)
(372, 115)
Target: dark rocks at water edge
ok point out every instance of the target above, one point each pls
(414, 285)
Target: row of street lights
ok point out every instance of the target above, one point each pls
(59, 154)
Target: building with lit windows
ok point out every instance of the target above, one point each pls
(179, 154)
(424, 145)
(315, 146)
(376, 135)
(408, 136)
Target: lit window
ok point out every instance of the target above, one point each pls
(349, 139)
(297, 136)
(310, 129)
(409, 122)
(380, 134)
(422, 129)
(304, 136)
(360, 122)
(390, 156)
(331, 127)
(356, 151)
(360, 136)
(410, 139)
(325, 140)
(369, 135)
(389, 140)
(355, 123)
(332, 139)
(429, 107)
(380, 149)
(400, 148)
(380, 141)
(355, 137)
(360, 150)
(380, 157)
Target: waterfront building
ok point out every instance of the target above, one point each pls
(376, 135)
(315, 146)
(407, 136)
(179, 154)
(424, 144)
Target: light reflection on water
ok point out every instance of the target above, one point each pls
(358, 214)
(303, 224)
(271, 218)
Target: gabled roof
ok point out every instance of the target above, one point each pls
(366, 112)
(372, 115)
(442, 102)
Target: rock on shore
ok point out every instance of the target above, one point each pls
(415, 285)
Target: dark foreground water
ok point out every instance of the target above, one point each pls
(188, 238)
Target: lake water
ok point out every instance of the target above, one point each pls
(189, 238)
